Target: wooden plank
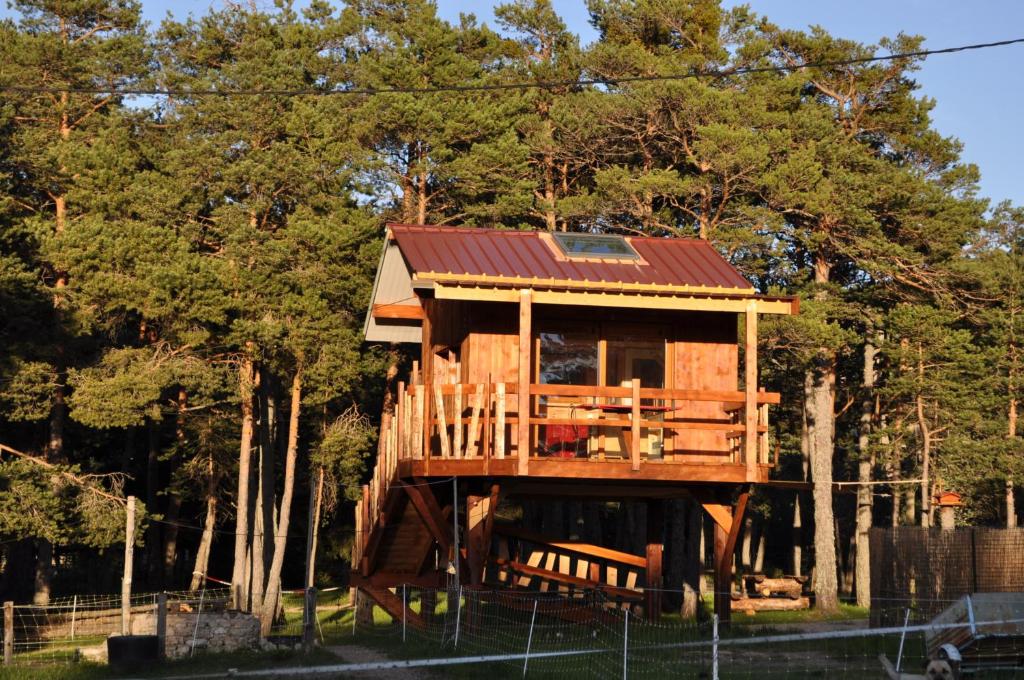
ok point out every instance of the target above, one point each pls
(681, 302)
(634, 445)
(398, 312)
(578, 468)
(525, 341)
(628, 423)
(653, 582)
(457, 450)
(418, 420)
(465, 388)
(476, 549)
(750, 391)
(426, 506)
(725, 545)
(549, 574)
(442, 426)
(499, 421)
(735, 398)
(400, 421)
(475, 406)
(393, 605)
(577, 547)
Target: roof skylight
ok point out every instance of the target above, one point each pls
(595, 246)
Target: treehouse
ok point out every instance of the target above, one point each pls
(557, 366)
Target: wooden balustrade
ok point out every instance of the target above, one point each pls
(478, 420)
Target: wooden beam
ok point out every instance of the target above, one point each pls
(577, 547)
(479, 529)
(558, 576)
(653, 569)
(583, 469)
(525, 342)
(725, 545)
(672, 301)
(393, 605)
(750, 392)
(634, 440)
(429, 510)
(398, 312)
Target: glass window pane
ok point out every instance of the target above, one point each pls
(568, 359)
(643, 359)
(593, 245)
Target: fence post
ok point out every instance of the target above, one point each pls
(405, 606)
(161, 625)
(458, 614)
(308, 612)
(74, 612)
(625, 647)
(8, 633)
(903, 637)
(714, 647)
(529, 638)
(126, 580)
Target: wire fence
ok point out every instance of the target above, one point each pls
(474, 632)
(515, 634)
(75, 628)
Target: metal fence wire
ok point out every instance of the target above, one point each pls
(515, 634)
(75, 628)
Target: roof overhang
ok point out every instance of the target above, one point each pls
(694, 300)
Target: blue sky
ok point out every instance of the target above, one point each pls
(979, 95)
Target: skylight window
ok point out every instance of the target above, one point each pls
(593, 245)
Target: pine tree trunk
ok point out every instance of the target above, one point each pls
(759, 554)
(173, 514)
(862, 568)
(1011, 508)
(748, 537)
(44, 572)
(238, 571)
(170, 551)
(153, 542)
(209, 523)
(798, 539)
(821, 421)
(270, 600)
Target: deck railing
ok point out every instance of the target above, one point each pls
(642, 424)
(479, 421)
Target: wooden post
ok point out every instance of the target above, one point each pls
(725, 545)
(457, 405)
(161, 625)
(476, 551)
(750, 392)
(400, 416)
(655, 548)
(499, 420)
(525, 340)
(8, 633)
(126, 579)
(634, 445)
(308, 617)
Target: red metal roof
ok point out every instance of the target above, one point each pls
(475, 253)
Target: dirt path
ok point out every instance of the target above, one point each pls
(360, 654)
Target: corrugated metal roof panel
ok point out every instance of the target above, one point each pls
(476, 252)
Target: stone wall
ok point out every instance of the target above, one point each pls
(219, 631)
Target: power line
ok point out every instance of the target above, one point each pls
(490, 87)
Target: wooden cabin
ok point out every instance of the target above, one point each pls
(555, 365)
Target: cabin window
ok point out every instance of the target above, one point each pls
(568, 358)
(635, 358)
(595, 246)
